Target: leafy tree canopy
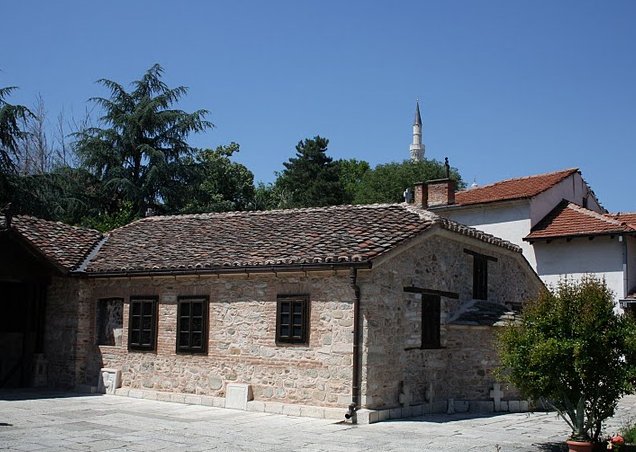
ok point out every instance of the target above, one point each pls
(386, 182)
(311, 178)
(573, 351)
(352, 173)
(209, 181)
(141, 147)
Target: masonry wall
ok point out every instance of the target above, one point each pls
(462, 367)
(61, 332)
(241, 346)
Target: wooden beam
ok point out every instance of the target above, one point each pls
(441, 293)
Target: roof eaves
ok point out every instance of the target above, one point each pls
(226, 270)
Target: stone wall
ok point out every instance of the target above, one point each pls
(241, 346)
(462, 367)
(61, 332)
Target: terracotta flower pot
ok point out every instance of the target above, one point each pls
(580, 446)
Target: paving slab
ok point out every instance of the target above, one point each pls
(34, 421)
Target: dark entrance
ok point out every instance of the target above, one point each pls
(21, 328)
(23, 280)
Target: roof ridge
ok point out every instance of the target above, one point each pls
(492, 184)
(593, 214)
(238, 213)
(60, 223)
(460, 228)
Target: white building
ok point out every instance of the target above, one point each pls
(555, 218)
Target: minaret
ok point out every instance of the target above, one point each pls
(417, 148)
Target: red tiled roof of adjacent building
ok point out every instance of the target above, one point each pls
(511, 189)
(270, 239)
(629, 218)
(571, 220)
(66, 246)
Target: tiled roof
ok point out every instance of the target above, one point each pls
(571, 220)
(65, 245)
(629, 218)
(510, 189)
(314, 236)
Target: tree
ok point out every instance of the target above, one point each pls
(351, 173)
(574, 352)
(141, 148)
(311, 178)
(10, 130)
(386, 183)
(210, 182)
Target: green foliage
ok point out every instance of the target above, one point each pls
(351, 173)
(311, 178)
(10, 130)
(573, 351)
(141, 149)
(628, 432)
(107, 221)
(210, 182)
(386, 183)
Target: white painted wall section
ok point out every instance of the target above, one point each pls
(601, 257)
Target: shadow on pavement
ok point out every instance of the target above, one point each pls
(38, 394)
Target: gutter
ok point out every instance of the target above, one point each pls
(355, 384)
(224, 270)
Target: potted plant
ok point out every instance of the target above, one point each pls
(574, 352)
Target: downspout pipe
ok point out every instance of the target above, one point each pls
(355, 384)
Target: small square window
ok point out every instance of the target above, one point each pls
(192, 332)
(292, 319)
(142, 329)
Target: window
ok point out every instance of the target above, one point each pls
(109, 321)
(480, 274)
(192, 325)
(142, 323)
(431, 313)
(292, 319)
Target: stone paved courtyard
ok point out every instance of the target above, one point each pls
(34, 421)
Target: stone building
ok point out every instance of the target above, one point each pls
(372, 311)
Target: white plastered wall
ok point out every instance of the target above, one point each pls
(601, 257)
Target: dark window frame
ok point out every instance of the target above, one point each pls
(99, 325)
(292, 306)
(203, 333)
(152, 312)
(431, 321)
(480, 274)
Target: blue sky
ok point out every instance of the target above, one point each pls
(507, 88)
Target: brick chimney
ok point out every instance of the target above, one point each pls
(439, 192)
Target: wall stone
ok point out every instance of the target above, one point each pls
(462, 367)
(61, 332)
(241, 346)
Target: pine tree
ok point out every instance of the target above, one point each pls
(311, 178)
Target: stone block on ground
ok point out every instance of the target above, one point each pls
(237, 395)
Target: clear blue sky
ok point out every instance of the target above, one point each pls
(507, 88)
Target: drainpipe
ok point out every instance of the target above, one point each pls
(355, 385)
(625, 269)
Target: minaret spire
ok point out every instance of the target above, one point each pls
(417, 148)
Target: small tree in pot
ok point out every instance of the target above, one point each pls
(572, 351)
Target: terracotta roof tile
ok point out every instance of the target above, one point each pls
(486, 313)
(510, 189)
(214, 241)
(65, 245)
(629, 218)
(570, 220)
